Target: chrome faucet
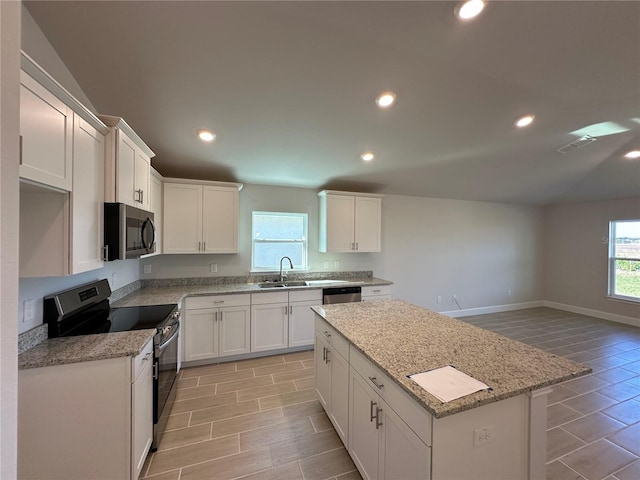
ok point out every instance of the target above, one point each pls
(282, 277)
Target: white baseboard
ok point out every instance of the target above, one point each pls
(613, 317)
(494, 309)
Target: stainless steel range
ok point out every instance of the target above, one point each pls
(85, 310)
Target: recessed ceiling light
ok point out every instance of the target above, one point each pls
(206, 135)
(525, 121)
(469, 9)
(385, 99)
(633, 154)
(367, 156)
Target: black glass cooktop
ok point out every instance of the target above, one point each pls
(102, 319)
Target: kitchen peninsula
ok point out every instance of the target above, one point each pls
(393, 428)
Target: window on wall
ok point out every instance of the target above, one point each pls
(624, 259)
(276, 235)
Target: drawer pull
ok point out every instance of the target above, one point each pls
(377, 291)
(371, 414)
(218, 301)
(375, 382)
(326, 360)
(324, 354)
(147, 356)
(327, 334)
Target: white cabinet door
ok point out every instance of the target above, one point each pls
(142, 179)
(87, 197)
(125, 170)
(367, 224)
(340, 223)
(142, 419)
(301, 323)
(269, 327)
(402, 453)
(363, 434)
(182, 210)
(220, 220)
(339, 394)
(201, 334)
(45, 136)
(322, 372)
(234, 327)
(155, 205)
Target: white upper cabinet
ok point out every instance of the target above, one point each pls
(128, 165)
(63, 146)
(155, 205)
(46, 131)
(200, 217)
(87, 198)
(350, 222)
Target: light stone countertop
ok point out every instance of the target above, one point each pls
(403, 339)
(175, 294)
(85, 348)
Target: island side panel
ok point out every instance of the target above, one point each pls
(456, 454)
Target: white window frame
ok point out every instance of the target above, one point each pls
(304, 241)
(612, 262)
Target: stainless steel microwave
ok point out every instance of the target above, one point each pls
(128, 232)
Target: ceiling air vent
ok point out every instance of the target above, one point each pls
(581, 142)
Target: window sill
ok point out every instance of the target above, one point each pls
(620, 298)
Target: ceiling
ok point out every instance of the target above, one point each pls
(289, 89)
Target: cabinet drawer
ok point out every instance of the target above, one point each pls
(306, 296)
(332, 337)
(212, 301)
(270, 297)
(377, 290)
(144, 358)
(406, 407)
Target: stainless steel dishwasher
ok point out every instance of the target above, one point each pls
(341, 295)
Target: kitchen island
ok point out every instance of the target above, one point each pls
(393, 428)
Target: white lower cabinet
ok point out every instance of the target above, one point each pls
(372, 294)
(216, 326)
(283, 319)
(380, 443)
(332, 377)
(97, 423)
(269, 321)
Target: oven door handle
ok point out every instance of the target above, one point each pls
(170, 340)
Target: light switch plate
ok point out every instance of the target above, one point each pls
(28, 310)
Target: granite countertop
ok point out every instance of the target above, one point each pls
(85, 348)
(175, 294)
(403, 339)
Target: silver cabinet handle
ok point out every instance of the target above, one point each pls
(105, 253)
(356, 245)
(377, 291)
(199, 246)
(327, 334)
(324, 354)
(204, 246)
(371, 414)
(290, 309)
(141, 196)
(215, 316)
(20, 146)
(374, 381)
(286, 310)
(147, 357)
(378, 420)
(218, 301)
(353, 246)
(155, 370)
(221, 315)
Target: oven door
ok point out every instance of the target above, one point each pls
(165, 382)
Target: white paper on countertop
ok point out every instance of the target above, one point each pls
(448, 383)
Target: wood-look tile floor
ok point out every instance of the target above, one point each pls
(593, 422)
(255, 419)
(260, 420)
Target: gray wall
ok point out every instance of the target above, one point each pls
(9, 129)
(575, 260)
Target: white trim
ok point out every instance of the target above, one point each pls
(208, 183)
(613, 317)
(493, 309)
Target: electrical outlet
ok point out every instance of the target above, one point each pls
(509, 292)
(439, 298)
(482, 436)
(325, 264)
(28, 310)
(114, 276)
(147, 268)
(213, 267)
(336, 264)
